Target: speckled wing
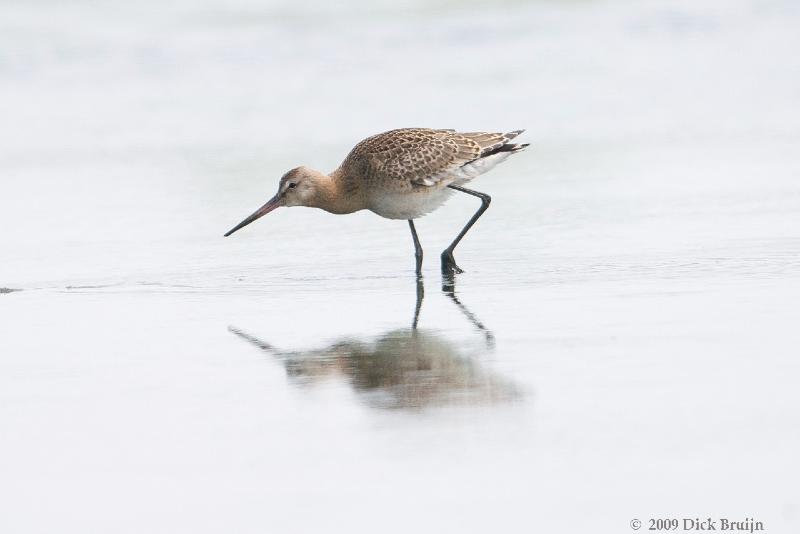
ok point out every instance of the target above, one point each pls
(412, 156)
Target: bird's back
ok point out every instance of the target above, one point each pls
(413, 156)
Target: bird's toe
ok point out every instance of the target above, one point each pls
(449, 264)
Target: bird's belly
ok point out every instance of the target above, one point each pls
(409, 205)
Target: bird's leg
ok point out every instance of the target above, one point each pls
(448, 261)
(420, 286)
(417, 247)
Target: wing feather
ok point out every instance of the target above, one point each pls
(412, 156)
(422, 157)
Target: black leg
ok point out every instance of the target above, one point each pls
(417, 246)
(448, 261)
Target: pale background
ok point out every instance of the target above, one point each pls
(639, 269)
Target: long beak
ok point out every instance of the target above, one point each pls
(273, 203)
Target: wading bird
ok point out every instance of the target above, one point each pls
(399, 174)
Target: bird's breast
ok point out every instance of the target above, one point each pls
(410, 204)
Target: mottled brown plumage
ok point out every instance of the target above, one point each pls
(413, 156)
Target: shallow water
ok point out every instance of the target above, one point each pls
(623, 344)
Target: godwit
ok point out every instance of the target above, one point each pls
(399, 174)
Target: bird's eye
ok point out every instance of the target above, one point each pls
(292, 185)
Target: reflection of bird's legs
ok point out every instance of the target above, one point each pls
(420, 296)
(449, 289)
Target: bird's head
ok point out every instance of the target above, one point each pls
(298, 187)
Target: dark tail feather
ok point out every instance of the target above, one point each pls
(506, 146)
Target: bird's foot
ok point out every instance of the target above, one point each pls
(449, 264)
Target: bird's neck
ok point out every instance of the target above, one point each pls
(334, 196)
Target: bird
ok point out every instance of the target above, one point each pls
(401, 174)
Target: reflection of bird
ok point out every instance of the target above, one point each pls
(400, 174)
(407, 368)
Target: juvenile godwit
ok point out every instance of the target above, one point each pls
(399, 174)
